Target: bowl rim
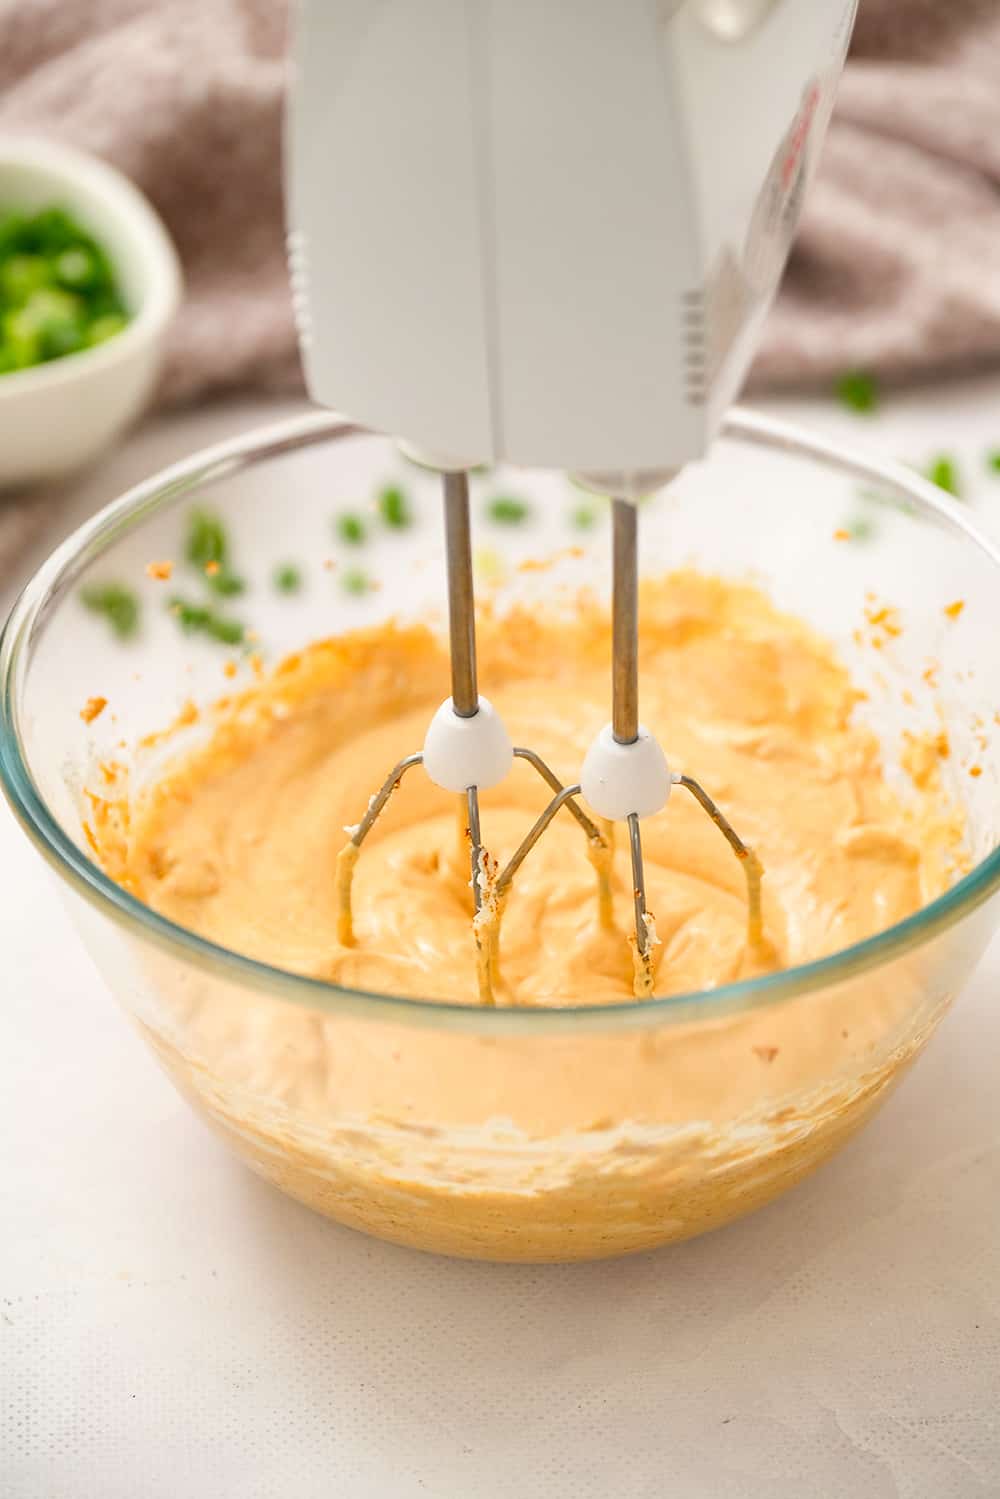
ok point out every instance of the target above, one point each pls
(88, 880)
(99, 181)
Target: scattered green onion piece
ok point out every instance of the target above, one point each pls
(858, 391)
(583, 517)
(208, 546)
(351, 529)
(226, 631)
(505, 510)
(287, 578)
(861, 528)
(198, 619)
(943, 471)
(394, 507)
(206, 540)
(225, 583)
(119, 605)
(993, 460)
(355, 581)
(190, 617)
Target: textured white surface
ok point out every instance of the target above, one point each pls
(171, 1328)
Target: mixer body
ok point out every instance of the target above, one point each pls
(547, 233)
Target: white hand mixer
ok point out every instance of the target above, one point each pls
(545, 232)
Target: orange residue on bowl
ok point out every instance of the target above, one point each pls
(188, 715)
(93, 708)
(230, 669)
(884, 617)
(211, 569)
(975, 770)
(161, 571)
(955, 609)
(922, 755)
(841, 535)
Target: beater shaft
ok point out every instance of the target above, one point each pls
(461, 604)
(625, 677)
(462, 640)
(624, 622)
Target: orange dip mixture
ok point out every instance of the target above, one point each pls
(594, 1144)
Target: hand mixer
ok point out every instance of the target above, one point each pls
(545, 232)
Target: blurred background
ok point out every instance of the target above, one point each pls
(852, 1341)
(893, 284)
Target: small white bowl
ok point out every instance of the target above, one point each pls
(57, 417)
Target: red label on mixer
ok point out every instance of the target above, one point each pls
(780, 202)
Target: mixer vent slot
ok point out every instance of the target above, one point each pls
(697, 374)
(298, 276)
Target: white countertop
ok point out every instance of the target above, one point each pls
(171, 1328)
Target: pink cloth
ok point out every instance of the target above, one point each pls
(896, 269)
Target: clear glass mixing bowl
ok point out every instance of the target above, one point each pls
(515, 1134)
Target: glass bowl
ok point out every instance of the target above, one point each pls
(517, 1134)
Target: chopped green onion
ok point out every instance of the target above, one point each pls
(207, 548)
(351, 529)
(226, 583)
(119, 605)
(355, 580)
(57, 289)
(190, 617)
(206, 540)
(394, 507)
(78, 268)
(226, 631)
(858, 391)
(943, 471)
(861, 528)
(287, 578)
(583, 517)
(993, 460)
(21, 275)
(198, 619)
(105, 327)
(505, 510)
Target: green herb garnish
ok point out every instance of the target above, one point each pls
(943, 471)
(206, 542)
(287, 578)
(993, 460)
(394, 507)
(861, 528)
(505, 510)
(858, 391)
(119, 605)
(354, 580)
(58, 292)
(583, 517)
(207, 548)
(226, 583)
(351, 529)
(226, 631)
(198, 619)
